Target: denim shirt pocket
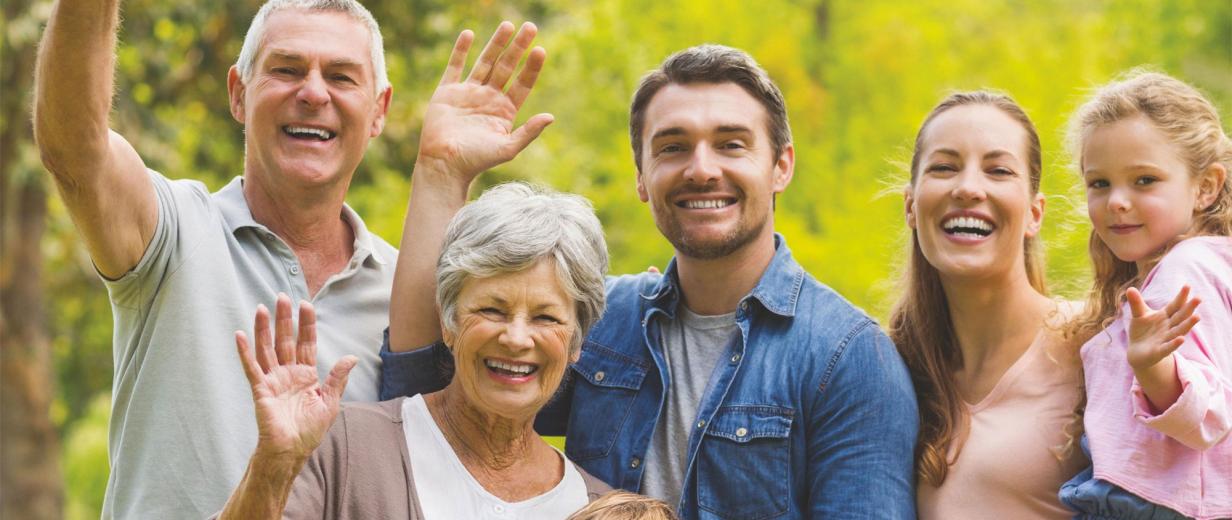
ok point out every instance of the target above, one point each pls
(606, 385)
(744, 463)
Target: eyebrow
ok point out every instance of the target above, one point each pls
(722, 129)
(292, 56)
(995, 154)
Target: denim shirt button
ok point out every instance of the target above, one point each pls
(741, 432)
(599, 376)
(635, 463)
(744, 305)
(701, 423)
(735, 358)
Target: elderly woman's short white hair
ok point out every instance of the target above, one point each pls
(511, 227)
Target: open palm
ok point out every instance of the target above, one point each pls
(293, 409)
(468, 125)
(1156, 333)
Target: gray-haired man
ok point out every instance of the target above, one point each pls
(185, 267)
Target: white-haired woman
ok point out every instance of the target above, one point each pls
(519, 283)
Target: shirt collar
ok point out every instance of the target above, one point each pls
(237, 215)
(778, 290)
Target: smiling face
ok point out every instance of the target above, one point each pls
(971, 203)
(708, 168)
(311, 105)
(1140, 194)
(511, 345)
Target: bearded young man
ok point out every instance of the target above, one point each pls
(734, 385)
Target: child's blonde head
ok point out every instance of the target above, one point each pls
(623, 505)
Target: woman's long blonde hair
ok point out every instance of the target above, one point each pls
(920, 322)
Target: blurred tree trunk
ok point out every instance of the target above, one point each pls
(30, 481)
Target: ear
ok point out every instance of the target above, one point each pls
(784, 168)
(576, 355)
(1210, 183)
(1037, 215)
(909, 206)
(235, 90)
(382, 108)
(641, 187)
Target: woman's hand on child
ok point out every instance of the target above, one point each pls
(1156, 333)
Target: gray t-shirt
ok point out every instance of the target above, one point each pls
(182, 422)
(692, 345)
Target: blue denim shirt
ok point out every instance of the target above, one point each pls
(811, 415)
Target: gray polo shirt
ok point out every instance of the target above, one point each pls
(182, 422)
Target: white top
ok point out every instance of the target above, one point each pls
(447, 490)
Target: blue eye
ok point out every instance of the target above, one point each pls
(1097, 184)
(1145, 180)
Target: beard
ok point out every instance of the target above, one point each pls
(746, 229)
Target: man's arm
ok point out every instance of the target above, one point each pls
(101, 178)
(468, 128)
(862, 433)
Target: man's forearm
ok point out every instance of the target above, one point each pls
(436, 196)
(73, 82)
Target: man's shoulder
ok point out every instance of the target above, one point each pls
(627, 290)
(823, 311)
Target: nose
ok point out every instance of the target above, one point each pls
(517, 335)
(969, 186)
(313, 92)
(1118, 201)
(703, 166)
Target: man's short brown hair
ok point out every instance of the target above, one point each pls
(711, 63)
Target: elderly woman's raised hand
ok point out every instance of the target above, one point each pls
(468, 125)
(293, 409)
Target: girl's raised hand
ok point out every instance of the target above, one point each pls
(1154, 334)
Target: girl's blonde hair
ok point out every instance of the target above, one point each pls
(623, 505)
(1191, 123)
(920, 323)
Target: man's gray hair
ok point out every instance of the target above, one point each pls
(357, 12)
(511, 227)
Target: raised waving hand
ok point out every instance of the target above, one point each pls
(294, 410)
(469, 123)
(1156, 333)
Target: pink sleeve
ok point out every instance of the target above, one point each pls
(1202, 416)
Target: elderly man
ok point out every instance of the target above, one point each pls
(184, 267)
(733, 385)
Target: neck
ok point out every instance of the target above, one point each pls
(994, 318)
(483, 441)
(308, 220)
(715, 286)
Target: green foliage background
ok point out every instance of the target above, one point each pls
(858, 75)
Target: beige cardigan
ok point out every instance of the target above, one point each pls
(353, 475)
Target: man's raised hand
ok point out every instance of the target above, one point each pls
(293, 410)
(468, 126)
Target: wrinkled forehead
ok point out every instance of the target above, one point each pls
(301, 33)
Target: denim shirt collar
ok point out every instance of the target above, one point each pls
(237, 214)
(778, 290)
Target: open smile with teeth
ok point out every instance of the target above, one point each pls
(967, 227)
(506, 368)
(706, 203)
(305, 132)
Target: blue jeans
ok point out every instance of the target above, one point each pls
(1095, 499)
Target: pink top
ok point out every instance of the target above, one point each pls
(1180, 458)
(1008, 463)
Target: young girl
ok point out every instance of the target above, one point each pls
(1155, 162)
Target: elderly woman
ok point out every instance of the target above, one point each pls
(519, 283)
